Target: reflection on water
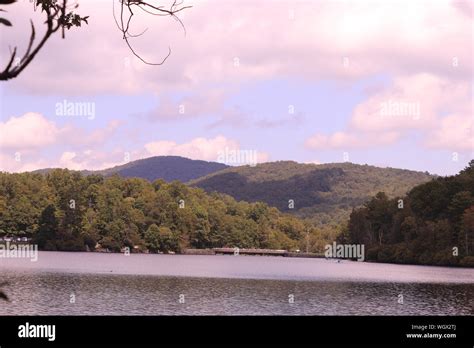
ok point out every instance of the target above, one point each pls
(45, 288)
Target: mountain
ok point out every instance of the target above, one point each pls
(323, 193)
(168, 168)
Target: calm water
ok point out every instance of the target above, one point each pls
(116, 284)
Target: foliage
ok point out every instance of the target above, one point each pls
(323, 194)
(432, 224)
(64, 210)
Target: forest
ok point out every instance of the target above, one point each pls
(64, 210)
(323, 194)
(68, 211)
(432, 224)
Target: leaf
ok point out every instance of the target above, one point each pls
(5, 22)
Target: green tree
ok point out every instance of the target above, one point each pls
(48, 228)
(152, 238)
(160, 239)
(467, 235)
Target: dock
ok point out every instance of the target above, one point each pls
(261, 252)
(258, 252)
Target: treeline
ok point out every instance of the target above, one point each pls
(433, 224)
(64, 210)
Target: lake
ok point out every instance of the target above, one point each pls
(139, 284)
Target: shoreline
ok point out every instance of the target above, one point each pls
(297, 256)
(236, 252)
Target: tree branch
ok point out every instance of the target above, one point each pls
(56, 18)
(126, 20)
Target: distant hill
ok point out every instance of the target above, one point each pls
(168, 168)
(323, 193)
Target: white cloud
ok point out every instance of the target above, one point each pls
(90, 160)
(28, 131)
(21, 162)
(455, 132)
(277, 38)
(347, 140)
(412, 103)
(200, 148)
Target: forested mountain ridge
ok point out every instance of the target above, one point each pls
(324, 193)
(432, 224)
(168, 168)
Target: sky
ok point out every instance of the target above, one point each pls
(386, 83)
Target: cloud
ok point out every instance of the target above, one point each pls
(419, 103)
(28, 142)
(347, 140)
(411, 102)
(200, 149)
(308, 40)
(74, 160)
(90, 160)
(97, 136)
(455, 132)
(21, 162)
(465, 7)
(31, 130)
(192, 105)
(34, 131)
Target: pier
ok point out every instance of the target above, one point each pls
(243, 251)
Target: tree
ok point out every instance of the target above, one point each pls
(436, 217)
(160, 239)
(467, 237)
(378, 213)
(64, 210)
(152, 238)
(168, 240)
(48, 227)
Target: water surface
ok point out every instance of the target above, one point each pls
(116, 284)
